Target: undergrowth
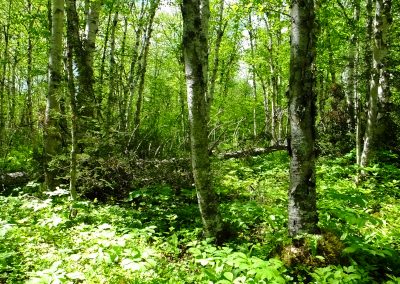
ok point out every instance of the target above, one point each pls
(154, 235)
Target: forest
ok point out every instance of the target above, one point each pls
(199, 141)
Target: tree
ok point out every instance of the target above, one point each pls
(302, 208)
(379, 84)
(84, 47)
(52, 140)
(195, 15)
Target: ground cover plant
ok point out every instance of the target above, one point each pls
(154, 235)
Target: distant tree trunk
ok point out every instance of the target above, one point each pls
(350, 74)
(379, 89)
(253, 74)
(143, 63)
(220, 33)
(13, 91)
(103, 57)
(84, 50)
(303, 216)
(28, 116)
(132, 79)
(267, 117)
(275, 83)
(195, 15)
(360, 118)
(52, 139)
(6, 29)
(74, 120)
(111, 91)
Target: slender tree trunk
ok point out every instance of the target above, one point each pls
(103, 57)
(379, 82)
(84, 50)
(360, 119)
(143, 64)
(303, 216)
(122, 99)
(220, 33)
(253, 74)
(132, 81)
(195, 15)
(52, 139)
(350, 76)
(6, 29)
(111, 91)
(13, 89)
(28, 116)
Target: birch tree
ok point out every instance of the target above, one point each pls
(195, 15)
(379, 87)
(52, 139)
(302, 208)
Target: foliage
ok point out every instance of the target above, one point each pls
(154, 235)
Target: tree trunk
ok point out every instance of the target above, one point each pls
(83, 50)
(111, 92)
(74, 120)
(360, 119)
(6, 29)
(253, 74)
(143, 63)
(195, 15)
(132, 79)
(350, 74)
(379, 87)
(220, 33)
(28, 116)
(303, 216)
(52, 139)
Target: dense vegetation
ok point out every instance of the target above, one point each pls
(153, 236)
(197, 141)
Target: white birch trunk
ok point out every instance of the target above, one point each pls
(303, 217)
(195, 50)
(378, 86)
(52, 139)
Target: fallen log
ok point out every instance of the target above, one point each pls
(250, 152)
(13, 180)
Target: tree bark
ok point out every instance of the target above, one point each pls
(253, 43)
(111, 92)
(74, 120)
(52, 139)
(143, 63)
(195, 15)
(84, 50)
(132, 79)
(220, 33)
(379, 87)
(28, 116)
(6, 29)
(302, 208)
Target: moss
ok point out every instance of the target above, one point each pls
(313, 250)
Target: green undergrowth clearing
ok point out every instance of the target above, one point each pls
(154, 235)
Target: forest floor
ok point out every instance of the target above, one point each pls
(154, 236)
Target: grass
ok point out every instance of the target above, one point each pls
(154, 236)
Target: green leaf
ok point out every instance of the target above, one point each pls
(228, 275)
